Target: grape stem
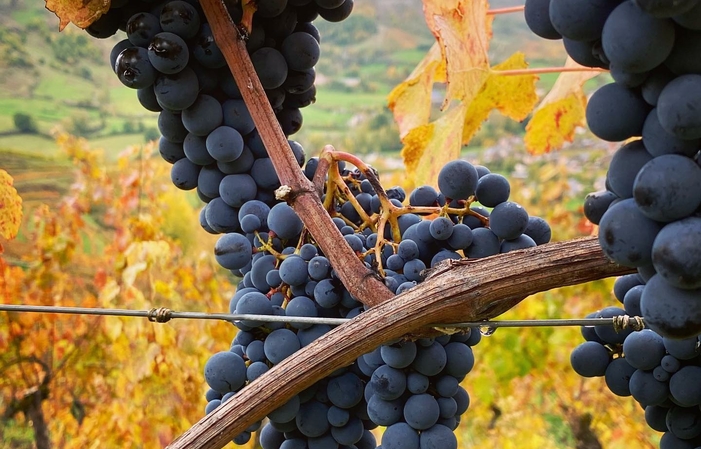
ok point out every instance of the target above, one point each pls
(337, 188)
(246, 25)
(322, 170)
(541, 70)
(360, 281)
(389, 212)
(509, 10)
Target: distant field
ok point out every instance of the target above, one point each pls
(113, 145)
(38, 177)
(46, 111)
(27, 144)
(360, 100)
(64, 87)
(51, 91)
(33, 145)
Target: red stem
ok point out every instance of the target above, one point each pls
(541, 70)
(509, 10)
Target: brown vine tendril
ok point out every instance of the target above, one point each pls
(339, 188)
(267, 245)
(338, 192)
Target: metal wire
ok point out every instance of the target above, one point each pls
(162, 315)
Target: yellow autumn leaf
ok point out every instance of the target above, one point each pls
(109, 292)
(410, 101)
(428, 148)
(10, 207)
(132, 271)
(513, 96)
(463, 30)
(113, 327)
(560, 113)
(81, 12)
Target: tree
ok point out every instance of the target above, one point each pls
(79, 380)
(25, 123)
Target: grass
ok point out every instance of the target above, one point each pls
(28, 144)
(123, 102)
(372, 70)
(39, 177)
(7, 122)
(353, 100)
(41, 109)
(35, 145)
(113, 145)
(409, 57)
(26, 15)
(316, 118)
(65, 87)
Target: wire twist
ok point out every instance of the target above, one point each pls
(623, 322)
(160, 315)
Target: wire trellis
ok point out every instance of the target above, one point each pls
(163, 315)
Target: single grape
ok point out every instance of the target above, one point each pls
(177, 92)
(168, 53)
(458, 180)
(508, 220)
(668, 188)
(134, 69)
(279, 345)
(677, 106)
(615, 113)
(626, 235)
(225, 371)
(635, 41)
(283, 220)
(203, 117)
(537, 14)
(181, 18)
(233, 251)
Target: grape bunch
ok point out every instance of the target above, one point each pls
(412, 387)
(649, 214)
(170, 57)
(662, 374)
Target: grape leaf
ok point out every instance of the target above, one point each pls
(560, 113)
(10, 207)
(429, 147)
(513, 96)
(463, 30)
(81, 12)
(410, 101)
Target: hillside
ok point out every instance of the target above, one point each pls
(61, 79)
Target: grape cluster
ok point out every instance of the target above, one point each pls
(414, 389)
(663, 374)
(207, 132)
(649, 214)
(411, 387)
